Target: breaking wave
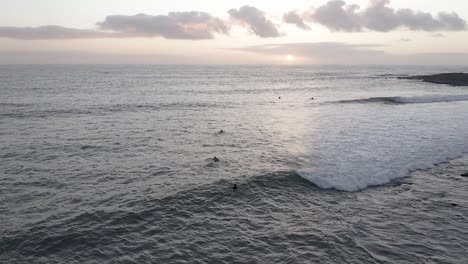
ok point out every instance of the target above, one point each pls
(408, 100)
(366, 175)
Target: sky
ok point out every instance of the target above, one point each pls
(234, 32)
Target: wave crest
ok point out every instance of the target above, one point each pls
(408, 100)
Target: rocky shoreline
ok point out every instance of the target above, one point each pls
(455, 79)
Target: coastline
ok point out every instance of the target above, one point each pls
(454, 79)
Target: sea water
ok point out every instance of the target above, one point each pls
(335, 164)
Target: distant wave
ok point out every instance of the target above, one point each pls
(30, 111)
(407, 100)
(389, 75)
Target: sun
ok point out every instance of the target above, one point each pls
(289, 57)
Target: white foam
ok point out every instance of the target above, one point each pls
(352, 148)
(359, 176)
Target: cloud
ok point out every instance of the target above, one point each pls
(311, 53)
(406, 40)
(82, 57)
(256, 21)
(176, 25)
(293, 18)
(342, 53)
(378, 16)
(323, 52)
(88, 57)
(337, 16)
(51, 32)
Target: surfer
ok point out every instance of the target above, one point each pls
(215, 159)
(221, 132)
(234, 188)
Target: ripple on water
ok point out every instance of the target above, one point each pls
(275, 218)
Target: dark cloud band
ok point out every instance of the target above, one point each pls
(294, 18)
(52, 32)
(378, 16)
(175, 25)
(255, 20)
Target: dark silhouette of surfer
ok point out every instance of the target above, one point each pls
(221, 132)
(215, 159)
(234, 188)
(279, 97)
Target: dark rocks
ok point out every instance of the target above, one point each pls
(455, 79)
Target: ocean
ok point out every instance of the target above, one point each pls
(334, 164)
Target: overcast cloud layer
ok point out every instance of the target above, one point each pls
(336, 15)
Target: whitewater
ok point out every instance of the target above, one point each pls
(334, 164)
(369, 145)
